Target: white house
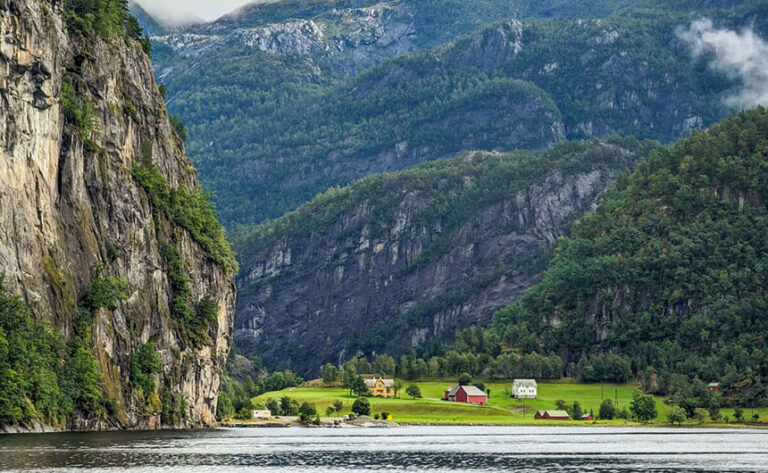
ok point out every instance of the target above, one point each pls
(525, 389)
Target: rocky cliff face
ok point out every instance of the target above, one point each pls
(68, 203)
(347, 39)
(410, 258)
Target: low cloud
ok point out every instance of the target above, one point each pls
(740, 55)
(182, 11)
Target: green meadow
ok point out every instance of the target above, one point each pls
(501, 408)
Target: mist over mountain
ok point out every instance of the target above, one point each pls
(188, 12)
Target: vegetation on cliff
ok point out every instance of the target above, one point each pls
(104, 18)
(42, 376)
(190, 210)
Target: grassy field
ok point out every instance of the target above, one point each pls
(501, 409)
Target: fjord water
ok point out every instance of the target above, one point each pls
(432, 449)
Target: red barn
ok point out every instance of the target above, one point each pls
(468, 394)
(552, 415)
(714, 387)
(587, 417)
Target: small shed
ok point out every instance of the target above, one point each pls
(262, 415)
(587, 417)
(714, 387)
(471, 395)
(525, 389)
(552, 415)
(450, 394)
(468, 394)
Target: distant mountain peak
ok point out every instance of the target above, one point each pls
(155, 23)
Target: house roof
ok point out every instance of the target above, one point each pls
(524, 382)
(452, 390)
(473, 391)
(557, 414)
(714, 385)
(371, 382)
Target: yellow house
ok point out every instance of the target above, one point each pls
(380, 387)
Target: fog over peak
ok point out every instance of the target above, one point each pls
(186, 11)
(740, 55)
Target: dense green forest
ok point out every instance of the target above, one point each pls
(269, 131)
(45, 377)
(666, 280)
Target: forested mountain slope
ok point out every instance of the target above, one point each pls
(670, 271)
(396, 260)
(116, 293)
(286, 111)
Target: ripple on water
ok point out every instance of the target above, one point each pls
(433, 449)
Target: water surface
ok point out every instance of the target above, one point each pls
(431, 449)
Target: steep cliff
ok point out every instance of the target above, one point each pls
(93, 181)
(396, 260)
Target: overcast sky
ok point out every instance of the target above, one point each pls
(185, 9)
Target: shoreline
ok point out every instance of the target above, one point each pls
(17, 431)
(595, 425)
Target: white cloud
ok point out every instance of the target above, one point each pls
(184, 10)
(742, 56)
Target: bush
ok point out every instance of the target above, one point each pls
(78, 112)
(738, 414)
(174, 407)
(145, 364)
(623, 413)
(289, 406)
(224, 407)
(465, 379)
(643, 407)
(700, 415)
(330, 373)
(385, 415)
(413, 391)
(576, 411)
(178, 127)
(607, 410)
(361, 407)
(130, 110)
(103, 292)
(307, 412)
(714, 410)
(676, 415)
(273, 407)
